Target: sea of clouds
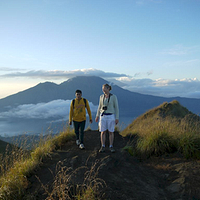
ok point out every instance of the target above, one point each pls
(30, 118)
(53, 109)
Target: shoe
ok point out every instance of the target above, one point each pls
(112, 150)
(77, 142)
(102, 149)
(81, 146)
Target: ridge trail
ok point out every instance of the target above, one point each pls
(125, 177)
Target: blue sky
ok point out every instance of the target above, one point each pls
(152, 46)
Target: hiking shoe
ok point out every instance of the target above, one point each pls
(102, 150)
(81, 146)
(112, 150)
(77, 142)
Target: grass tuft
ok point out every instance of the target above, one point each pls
(156, 144)
(189, 145)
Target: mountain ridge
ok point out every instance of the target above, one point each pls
(131, 103)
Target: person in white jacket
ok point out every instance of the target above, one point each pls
(108, 116)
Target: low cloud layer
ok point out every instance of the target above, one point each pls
(57, 109)
(37, 118)
(163, 87)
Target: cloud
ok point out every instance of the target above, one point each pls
(59, 74)
(57, 109)
(163, 87)
(144, 2)
(138, 74)
(186, 63)
(9, 69)
(179, 50)
(37, 118)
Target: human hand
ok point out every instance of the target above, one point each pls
(91, 121)
(70, 123)
(96, 119)
(116, 121)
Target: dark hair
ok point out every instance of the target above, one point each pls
(78, 91)
(107, 86)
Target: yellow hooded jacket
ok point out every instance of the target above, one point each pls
(77, 111)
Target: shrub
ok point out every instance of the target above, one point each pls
(130, 149)
(157, 144)
(189, 145)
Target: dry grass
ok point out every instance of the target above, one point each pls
(17, 163)
(165, 129)
(64, 187)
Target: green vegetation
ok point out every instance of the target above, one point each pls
(167, 128)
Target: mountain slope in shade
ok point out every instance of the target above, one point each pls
(4, 145)
(48, 91)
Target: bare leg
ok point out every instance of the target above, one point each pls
(103, 138)
(111, 138)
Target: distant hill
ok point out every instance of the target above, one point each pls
(131, 104)
(172, 111)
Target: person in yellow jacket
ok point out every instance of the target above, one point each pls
(77, 114)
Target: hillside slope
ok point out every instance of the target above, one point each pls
(3, 146)
(124, 177)
(164, 113)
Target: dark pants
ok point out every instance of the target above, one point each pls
(79, 130)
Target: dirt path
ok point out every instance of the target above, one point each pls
(124, 177)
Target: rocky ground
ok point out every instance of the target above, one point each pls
(118, 175)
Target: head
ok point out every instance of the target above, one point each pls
(78, 94)
(106, 88)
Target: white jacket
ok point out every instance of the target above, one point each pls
(112, 105)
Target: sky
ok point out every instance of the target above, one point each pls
(151, 46)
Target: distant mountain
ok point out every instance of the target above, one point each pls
(48, 91)
(131, 104)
